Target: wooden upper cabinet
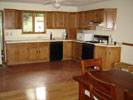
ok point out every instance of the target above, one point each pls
(18, 19)
(110, 19)
(50, 20)
(10, 19)
(13, 19)
(97, 15)
(60, 20)
(73, 20)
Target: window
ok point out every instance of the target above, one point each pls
(33, 22)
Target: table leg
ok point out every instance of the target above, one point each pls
(81, 92)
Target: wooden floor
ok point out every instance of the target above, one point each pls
(40, 81)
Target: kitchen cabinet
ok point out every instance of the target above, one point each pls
(109, 55)
(77, 51)
(60, 20)
(44, 54)
(23, 53)
(67, 50)
(12, 53)
(50, 20)
(106, 16)
(84, 20)
(110, 19)
(73, 20)
(27, 52)
(13, 19)
(97, 15)
(10, 18)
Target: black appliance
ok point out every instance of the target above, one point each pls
(56, 51)
(87, 51)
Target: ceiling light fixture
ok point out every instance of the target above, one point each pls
(57, 4)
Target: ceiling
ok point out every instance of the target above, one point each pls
(75, 3)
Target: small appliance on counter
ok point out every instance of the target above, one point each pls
(85, 36)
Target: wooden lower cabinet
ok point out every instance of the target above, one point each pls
(67, 50)
(109, 55)
(27, 52)
(77, 51)
(12, 53)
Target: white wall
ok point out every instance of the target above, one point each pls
(124, 25)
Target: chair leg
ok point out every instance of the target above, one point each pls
(81, 92)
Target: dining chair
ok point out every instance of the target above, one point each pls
(91, 62)
(100, 90)
(127, 95)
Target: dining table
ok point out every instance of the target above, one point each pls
(121, 79)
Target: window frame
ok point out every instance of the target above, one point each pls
(33, 21)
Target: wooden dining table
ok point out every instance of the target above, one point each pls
(122, 80)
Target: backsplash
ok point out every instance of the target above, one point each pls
(17, 34)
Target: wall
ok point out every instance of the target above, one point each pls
(124, 25)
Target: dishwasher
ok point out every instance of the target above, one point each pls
(56, 51)
(87, 51)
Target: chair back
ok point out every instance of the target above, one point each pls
(127, 95)
(91, 62)
(101, 90)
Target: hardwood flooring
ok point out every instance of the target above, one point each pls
(54, 77)
(60, 91)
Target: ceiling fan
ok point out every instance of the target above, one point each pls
(56, 3)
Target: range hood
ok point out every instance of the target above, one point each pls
(96, 24)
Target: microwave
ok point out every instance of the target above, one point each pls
(85, 36)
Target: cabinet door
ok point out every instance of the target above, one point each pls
(113, 56)
(10, 19)
(50, 20)
(44, 51)
(23, 52)
(72, 33)
(12, 53)
(101, 52)
(67, 50)
(18, 19)
(77, 50)
(60, 20)
(33, 51)
(99, 15)
(73, 20)
(110, 19)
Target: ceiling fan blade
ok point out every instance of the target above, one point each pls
(48, 3)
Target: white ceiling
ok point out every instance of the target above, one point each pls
(63, 2)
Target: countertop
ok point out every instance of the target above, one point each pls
(47, 40)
